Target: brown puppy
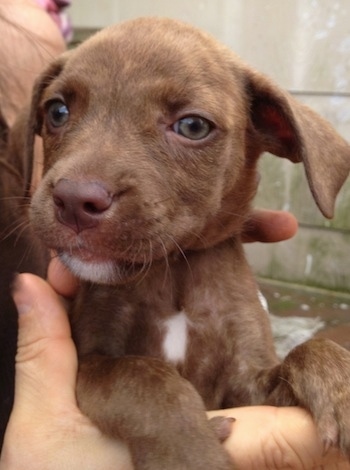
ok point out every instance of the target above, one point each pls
(152, 133)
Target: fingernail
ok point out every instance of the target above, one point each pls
(19, 295)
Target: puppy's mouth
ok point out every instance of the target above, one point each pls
(101, 271)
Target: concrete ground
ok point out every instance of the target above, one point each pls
(326, 313)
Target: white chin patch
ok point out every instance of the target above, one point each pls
(103, 272)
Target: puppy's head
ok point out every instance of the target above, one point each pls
(151, 134)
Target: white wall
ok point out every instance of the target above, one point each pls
(304, 44)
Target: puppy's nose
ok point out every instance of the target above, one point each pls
(80, 204)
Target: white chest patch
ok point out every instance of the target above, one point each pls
(176, 336)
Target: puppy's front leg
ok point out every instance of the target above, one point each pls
(316, 375)
(146, 403)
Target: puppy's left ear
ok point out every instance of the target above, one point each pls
(289, 129)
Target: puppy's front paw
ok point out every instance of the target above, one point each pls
(318, 373)
(334, 432)
(187, 452)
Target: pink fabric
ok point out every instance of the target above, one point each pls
(55, 9)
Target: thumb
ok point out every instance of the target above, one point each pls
(46, 362)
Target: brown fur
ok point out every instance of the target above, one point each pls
(167, 211)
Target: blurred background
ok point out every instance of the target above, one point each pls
(305, 47)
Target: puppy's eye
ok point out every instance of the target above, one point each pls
(193, 127)
(57, 113)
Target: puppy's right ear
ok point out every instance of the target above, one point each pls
(289, 129)
(35, 120)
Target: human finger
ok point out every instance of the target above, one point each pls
(46, 361)
(46, 430)
(61, 279)
(269, 226)
(266, 437)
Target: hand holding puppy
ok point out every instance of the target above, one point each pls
(48, 432)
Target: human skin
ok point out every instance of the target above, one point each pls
(47, 431)
(30, 39)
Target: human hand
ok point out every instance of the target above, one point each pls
(271, 438)
(48, 432)
(269, 226)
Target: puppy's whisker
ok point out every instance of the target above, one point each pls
(236, 215)
(12, 170)
(26, 254)
(167, 271)
(130, 251)
(25, 226)
(182, 253)
(147, 264)
(200, 236)
(161, 201)
(10, 230)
